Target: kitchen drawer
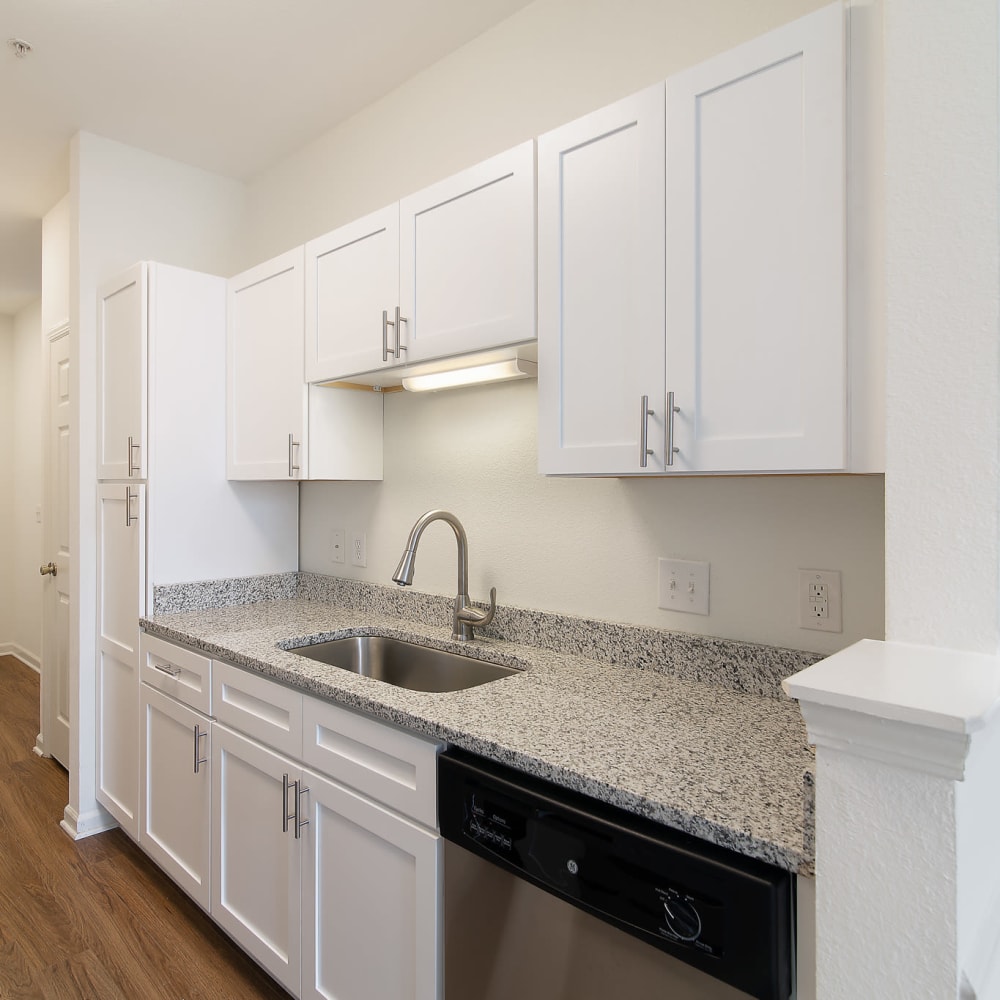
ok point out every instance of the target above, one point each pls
(181, 673)
(396, 768)
(269, 712)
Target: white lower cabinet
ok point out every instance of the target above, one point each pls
(175, 791)
(256, 853)
(333, 886)
(371, 910)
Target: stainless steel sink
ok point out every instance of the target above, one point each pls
(405, 664)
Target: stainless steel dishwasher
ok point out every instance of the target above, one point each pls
(550, 894)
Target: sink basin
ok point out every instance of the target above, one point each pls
(404, 664)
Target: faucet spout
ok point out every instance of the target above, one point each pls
(465, 616)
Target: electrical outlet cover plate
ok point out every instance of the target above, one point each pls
(684, 586)
(820, 606)
(356, 546)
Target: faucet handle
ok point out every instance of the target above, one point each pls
(473, 616)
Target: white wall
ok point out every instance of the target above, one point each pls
(26, 628)
(6, 482)
(581, 546)
(125, 205)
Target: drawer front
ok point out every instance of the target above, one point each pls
(176, 671)
(396, 768)
(251, 704)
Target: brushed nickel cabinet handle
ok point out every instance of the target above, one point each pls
(167, 668)
(399, 332)
(671, 410)
(644, 414)
(386, 323)
(133, 468)
(285, 814)
(48, 569)
(130, 518)
(198, 759)
(292, 445)
(300, 790)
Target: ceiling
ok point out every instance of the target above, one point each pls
(231, 86)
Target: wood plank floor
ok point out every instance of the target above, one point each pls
(94, 919)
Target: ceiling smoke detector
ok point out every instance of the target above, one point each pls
(19, 47)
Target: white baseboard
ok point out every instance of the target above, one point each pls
(80, 825)
(28, 659)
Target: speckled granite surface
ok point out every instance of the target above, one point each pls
(730, 766)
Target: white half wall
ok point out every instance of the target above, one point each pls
(579, 546)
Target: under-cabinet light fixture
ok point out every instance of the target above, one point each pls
(497, 371)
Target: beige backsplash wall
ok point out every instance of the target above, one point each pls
(590, 546)
(582, 546)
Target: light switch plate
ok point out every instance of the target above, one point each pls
(820, 606)
(684, 586)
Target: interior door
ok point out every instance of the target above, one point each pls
(56, 600)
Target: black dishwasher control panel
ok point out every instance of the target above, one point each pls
(726, 914)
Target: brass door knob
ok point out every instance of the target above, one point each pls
(49, 569)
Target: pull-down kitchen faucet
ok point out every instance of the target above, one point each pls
(465, 616)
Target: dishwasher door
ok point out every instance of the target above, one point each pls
(505, 938)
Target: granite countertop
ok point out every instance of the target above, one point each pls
(728, 766)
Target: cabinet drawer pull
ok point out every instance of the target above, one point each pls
(644, 414)
(198, 759)
(167, 668)
(385, 334)
(671, 410)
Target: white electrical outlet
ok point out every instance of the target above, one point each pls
(820, 600)
(684, 586)
(356, 545)
(338, 549)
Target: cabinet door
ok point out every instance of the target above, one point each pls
(266, 391)
(120, 604)
(255, 861)
(371, 885)
(122, 375)
(467, 259)
(175, 792)
(755, 253)
(352, 282)
(601, 290)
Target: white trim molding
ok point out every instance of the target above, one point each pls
(902, 704)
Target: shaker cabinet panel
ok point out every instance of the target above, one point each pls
(175, 784)
(756, 253)
(266, 392)
(352, 290)
(467, 259)
(122, 375)
(601, 289)
(120, 604)
(368, 868)
(255, 854)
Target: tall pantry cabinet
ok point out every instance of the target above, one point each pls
(166, 512)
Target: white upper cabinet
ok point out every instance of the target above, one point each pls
(352, 293)
(600, 290)
(121, 375)
(756, 347)
(467, 259)
(707, 280)
(266, 391)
